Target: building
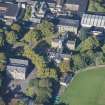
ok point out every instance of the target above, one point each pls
(76, 6)
(57, 57)
(17, 68)
(9, 12)
(55, 5)
(89, 20)
(28, 2)
(56, 43)
(39, 9)
(71, 44)
(68, 25)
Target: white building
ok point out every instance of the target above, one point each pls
(89, 20)
(68, 25)
(17, 68)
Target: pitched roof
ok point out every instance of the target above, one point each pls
(68, 22)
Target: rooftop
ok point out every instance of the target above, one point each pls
(18, 62)
(82, 4)
(9, 9)
(68, 22)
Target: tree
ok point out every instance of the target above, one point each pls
(11, 37)
(2, 61)
(43, 95)
(103, 48)
(41, 88)
(46, 28)
(89, 57)
(78, 62)
(83, 34)
(1, 38)
(30, 37)
(16, 27)
(20, 102)
(88, 44)
(1, 101)
(39, 62)
(64, 66)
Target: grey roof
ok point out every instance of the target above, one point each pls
(82, 4)
(18, 62)
(68, 22)
(17, 68)
(9, 9)
(50, 1)
(26, 1)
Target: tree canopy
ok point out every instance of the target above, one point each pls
(2, 61)
(11, 37)
(16, 27)
(89, 43)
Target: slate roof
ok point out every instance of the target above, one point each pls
(19, 62)
(68, 22)
(9, 9)
(17, 68)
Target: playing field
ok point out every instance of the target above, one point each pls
(88, 88)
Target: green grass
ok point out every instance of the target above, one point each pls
(96, 6)
(88, 88)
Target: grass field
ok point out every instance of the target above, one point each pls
(96, 6)
(88, 88)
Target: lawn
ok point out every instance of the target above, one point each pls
(88, 88)
(96, 6)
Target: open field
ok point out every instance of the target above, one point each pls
(88, 88)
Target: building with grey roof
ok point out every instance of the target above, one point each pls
(29, 2)
(9, 11)
(78, 6)
(71, 44)
(68, 25)
(55, 5)
(89, 20)
(17, 68)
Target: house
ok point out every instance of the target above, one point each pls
(9, 12)
(89, 20)
(17, 68)
(71, 44)
(68, 25)
(76, 6)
